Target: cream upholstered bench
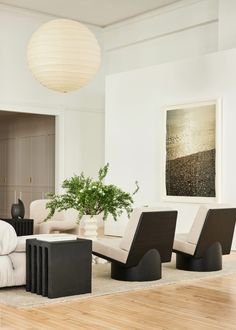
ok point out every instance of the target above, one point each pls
(210, 237)
(147, 242)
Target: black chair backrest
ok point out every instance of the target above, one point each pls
(218, 228)
(155, 230)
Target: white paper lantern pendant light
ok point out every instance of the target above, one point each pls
(63, 55)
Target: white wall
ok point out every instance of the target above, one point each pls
(134, 121)
(19, 91)
(186, 30)
(85, 143)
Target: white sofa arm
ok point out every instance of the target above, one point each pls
(8, 238)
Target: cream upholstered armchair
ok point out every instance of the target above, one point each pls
(147, 242)
(64, 221)
(209, 238)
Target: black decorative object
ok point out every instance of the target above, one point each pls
(22, 227)
(58, 268)
(18, 210)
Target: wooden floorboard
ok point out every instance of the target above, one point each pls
(205, 304)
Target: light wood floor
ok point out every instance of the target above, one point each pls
(199, 305)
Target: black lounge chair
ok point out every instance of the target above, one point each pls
(209, 238)
(147, 242)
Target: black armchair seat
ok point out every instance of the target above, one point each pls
(147, 242)
(210, 237)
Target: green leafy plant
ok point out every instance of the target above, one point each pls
(92, 197)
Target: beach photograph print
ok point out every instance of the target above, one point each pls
(190, 165)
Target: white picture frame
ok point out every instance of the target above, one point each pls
(179, 184)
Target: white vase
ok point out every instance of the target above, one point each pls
(90, 227)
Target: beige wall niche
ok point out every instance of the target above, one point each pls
(27, 158)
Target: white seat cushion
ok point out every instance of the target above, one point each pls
(181, 244)
(197, 225)
(110, 247)
(8, 238)
(127, 239)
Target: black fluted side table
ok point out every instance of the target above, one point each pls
(58, 268)
(22, 227)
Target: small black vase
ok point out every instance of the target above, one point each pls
(18, 210)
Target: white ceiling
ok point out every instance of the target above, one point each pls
(97, 12)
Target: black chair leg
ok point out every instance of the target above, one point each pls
(148, 269)
(211, 261)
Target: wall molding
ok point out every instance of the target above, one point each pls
(158, 36)
(137, 18)
(84, 109)
(152, 13)
(24, 11)
(179, 17)
(37, 13)
(45, 108)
